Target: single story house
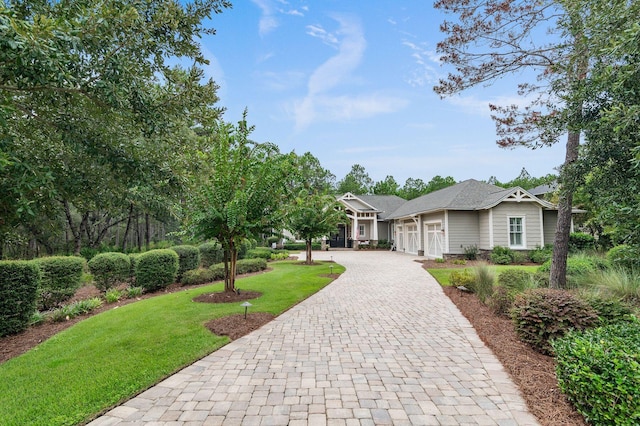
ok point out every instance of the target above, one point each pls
(445, 222)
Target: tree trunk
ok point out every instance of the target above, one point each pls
(230, 261)
(308, 261)
(76, 231)
(558, 273)
(147, 231)
(127, 229)
(138, 235)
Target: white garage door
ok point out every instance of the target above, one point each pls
(433, 236)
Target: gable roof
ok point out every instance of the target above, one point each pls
(386, 204)
(467, 195)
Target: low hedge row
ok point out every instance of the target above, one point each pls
(18, 290)
(61, 277)
(216, 272)
(157, 269)
(188, 258)
(109, 269)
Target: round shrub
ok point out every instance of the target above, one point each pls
(61, 277)
(543, 314)
(18, 292)
(109, 269)
(463, 278)
(260, 252)
(580, 241)
(210, 253)
(624, 256)
(501, 255)
(198, 276)
(157, 269)
(541, 254)
(188, 258)
(515, 280)
(247, 266)
(599, 371)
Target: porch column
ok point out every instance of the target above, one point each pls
(355, 231)
(375, 229)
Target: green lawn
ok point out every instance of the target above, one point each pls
(110, 357)
(442, 275)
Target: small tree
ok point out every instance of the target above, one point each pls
(313, 216)
(238, 191)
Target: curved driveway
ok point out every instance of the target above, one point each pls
(380, 345)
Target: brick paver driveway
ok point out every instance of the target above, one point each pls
(380, 345)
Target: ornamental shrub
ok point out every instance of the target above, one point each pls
(609, 310)
(501, 301)
(260, 253)
(217, 271)
(541, 254)
(61, 277)
(463, 278)
(301, 246)
(543, 314)
(515, 280)
(624, 256)
(599, 372)
(247, 266)
(211, 253)
(157, 269)
(580, 264)
(18, 292)
(580, 241)
(188, 258)
(471, 252)
(200, 276)
(501, 255)
(109, 269)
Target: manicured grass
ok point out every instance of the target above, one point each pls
(110, 357)
(442, 275)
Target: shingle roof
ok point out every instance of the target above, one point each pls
(467, 195)
(386, 204)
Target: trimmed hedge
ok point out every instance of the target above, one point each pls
(247, 266)
(133, 260)
(301, 246)
(599, 371)
(580, 241)
(18, 291)
(543, 314)
(109, 269)
(61, 277)
(260, 253)
(188, 258)
(157, 269)
(210, 253)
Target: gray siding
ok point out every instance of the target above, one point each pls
(550, 223)
(531, 213)
(383, 231)
(463, 230)
(483, 233)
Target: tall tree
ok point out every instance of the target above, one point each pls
(413, 188)
(312, 216)
(357, 181)
(309, 175)
(388, 186)
(238, 191)
(85, 86)
(438, 182)
(493, 38)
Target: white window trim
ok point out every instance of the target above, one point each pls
(524, 232)
(362, 231)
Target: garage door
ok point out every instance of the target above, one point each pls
(433, 236)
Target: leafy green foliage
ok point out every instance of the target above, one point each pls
(511, 282)
(301, 246)
(109, 269)
(515, 280)
(112, 295)
(188, 258)
(61, 277)
(462, 277)
(541, 254)
(578, 266)
(201, 276)
(501, 300)
(18, 291)
(471, 252)
(599, 371)
(260, 252)
(156, 269)
(311, 216)
(544, 314)
(247, 266)
(210, 253)
(134, 292)
(609, 310)
(580, 241)
(75, 309)
(624, 256)
(618, 283)
(502, 255)
(357, 182)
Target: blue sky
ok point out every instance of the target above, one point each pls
(352, 82)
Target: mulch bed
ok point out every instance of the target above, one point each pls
(532, 372)
(236, 326)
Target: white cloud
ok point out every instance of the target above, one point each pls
(319, 104)
(268, 21)
(426, 61)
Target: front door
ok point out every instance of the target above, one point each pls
(433, 236)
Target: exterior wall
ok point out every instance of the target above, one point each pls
(463, 230)
(383, 231)
(484, 225)
(550, 224)
(532, 226)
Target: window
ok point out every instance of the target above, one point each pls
(516, 232)
(361, 233)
